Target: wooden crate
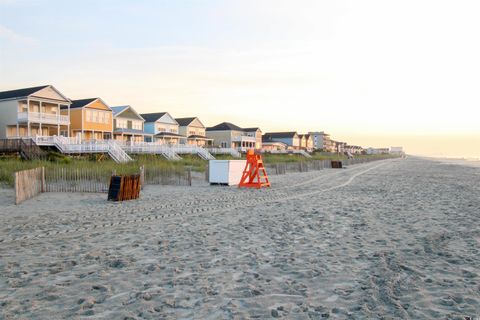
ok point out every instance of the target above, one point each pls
(124, 188)
(337, 164)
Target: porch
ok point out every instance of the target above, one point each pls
(36, 129)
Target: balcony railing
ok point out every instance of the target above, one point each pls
(244, 139)
(43, 117)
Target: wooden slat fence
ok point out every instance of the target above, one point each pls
(312, 165)
(28, 184)
(76, 180)
(167, 176)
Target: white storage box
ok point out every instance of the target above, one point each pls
(226, 172)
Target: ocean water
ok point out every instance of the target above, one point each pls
(469, 162)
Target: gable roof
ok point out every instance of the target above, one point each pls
(271, 135)
(185, 121)
(251, 129)
(119, 109)
(225, 126)
(20, 93)
(25, 92)
(81, 103)
(152, 117)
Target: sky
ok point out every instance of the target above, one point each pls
(374, 73)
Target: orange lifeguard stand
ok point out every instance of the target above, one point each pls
(254, 174)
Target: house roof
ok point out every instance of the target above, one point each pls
(119, 109)
(266, 142)
(225, 126)
(185, 121)
(20, 93)
(269, 135)
(25, 92)
(152, 117)
(251, 129)
(197, 137)
(126, 130)
(169, 134)
(81, 102)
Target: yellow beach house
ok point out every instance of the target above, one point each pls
(91, 119)
(35, 111)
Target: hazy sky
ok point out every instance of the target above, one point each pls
(374, 73)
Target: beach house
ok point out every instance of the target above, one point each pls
(273, 145)
(36, 111)
(291, 139)
(322, 141)
(128, 125)
(306, 142)
(228, 135)
(194, 130)
(162, 127)
(91, 119)
(257, 134)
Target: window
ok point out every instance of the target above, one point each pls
(137, 125)
(22, 106)
(89, 116)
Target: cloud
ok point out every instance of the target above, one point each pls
(12, 36)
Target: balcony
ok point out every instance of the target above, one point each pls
(47, 118)
(244, 139)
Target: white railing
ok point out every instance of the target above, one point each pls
(151, 148)
(244, 139)
(301, 152)
(230, 151)
(43, 117)
(74, 145)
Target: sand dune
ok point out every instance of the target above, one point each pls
(393, 239)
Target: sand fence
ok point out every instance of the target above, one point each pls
(29, 183)
(311, 165)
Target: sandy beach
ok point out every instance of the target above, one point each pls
(387, 239)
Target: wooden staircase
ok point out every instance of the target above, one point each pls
(27, 148)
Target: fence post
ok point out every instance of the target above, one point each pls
(189, 176)
(142, 176)
(43, 180)
(17, 189)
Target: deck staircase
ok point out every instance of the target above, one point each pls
(304, 153)
(151, 148)
(27, 148)
(191, 149)
(70, 146)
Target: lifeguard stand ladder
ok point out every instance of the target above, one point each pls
(254, 174)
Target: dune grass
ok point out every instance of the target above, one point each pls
(9, 165)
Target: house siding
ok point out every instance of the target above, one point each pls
(8, 116)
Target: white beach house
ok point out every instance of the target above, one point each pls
(36, 111)
(162, 127)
